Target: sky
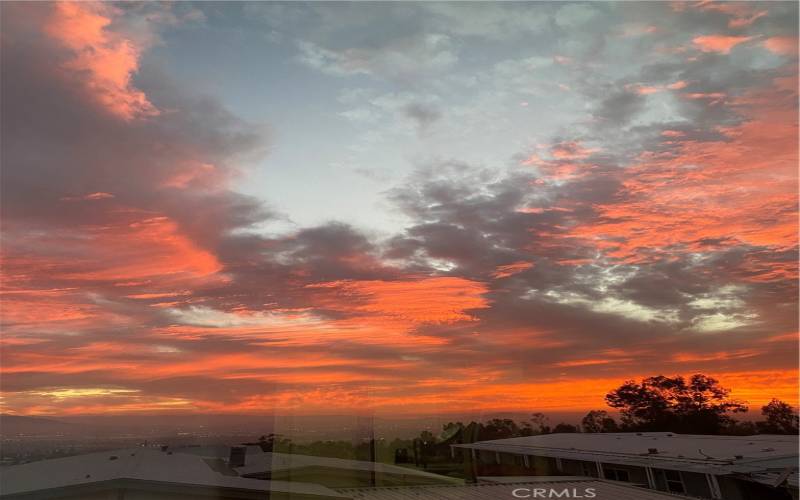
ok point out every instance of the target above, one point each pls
(398, 208)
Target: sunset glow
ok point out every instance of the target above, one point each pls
(302, 209)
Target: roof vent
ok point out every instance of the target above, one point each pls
(113, 457)
(652, 451)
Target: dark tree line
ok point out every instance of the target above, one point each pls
(699, 405)
(780, 419)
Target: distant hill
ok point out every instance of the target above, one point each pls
(15, 425)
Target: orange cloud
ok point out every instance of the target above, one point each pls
(89, 197)
(590, 362)
(742, 22)
(719, 43)
(644, 89)
(571, 150)
(44, 309)
(742, 14)
(425, 300)
(680, 84)
(713, 190)
(688, 357)
(786, 337)
(783, 45)
(104, 59)
(511, 269)
(145, 248)
(105, 302)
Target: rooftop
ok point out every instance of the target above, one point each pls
(262, 462)
(258, 462)
(604, 490)
(702, 453)
(138, 464)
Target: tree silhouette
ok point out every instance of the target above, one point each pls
(699, 405)
(539, 423)
(565, 428)
(273, 442)
(780, 418)
(500, 428)
(598, 421)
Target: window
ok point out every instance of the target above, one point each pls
(616, 474)
(674, 481)
(589, 469)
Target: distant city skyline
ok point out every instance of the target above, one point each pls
(394, 208)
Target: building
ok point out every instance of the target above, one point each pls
(252, 463)
(335, 471)
(149, 474)
(760, 467)
(211, 472)
(143, 473)
(647, 466)
(518, 487)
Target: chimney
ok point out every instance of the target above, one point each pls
(238, 456)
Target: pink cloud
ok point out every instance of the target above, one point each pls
(104, 59)
(511, 269)
(722, 44)
(783, 45)
(89, 197)
(570, 150)
(742, 14)
(677, 85)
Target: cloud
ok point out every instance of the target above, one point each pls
(574, 15)
(106, 60)
(487, 20)
(651, 229)
(741, 14)
(722, 44)
(507, 270)
(89, 197)
(784, 45)
(425, 116)
(428, 300)
(398, 59)
(620, 107)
